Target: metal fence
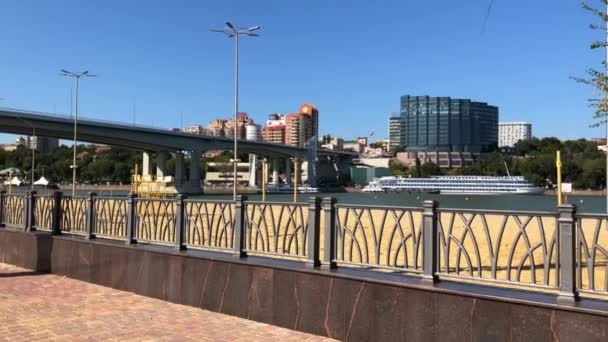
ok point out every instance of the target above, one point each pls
(499, 246)
(561, 252)
(13, 210)
(379, 236)
(43, 212)
(209, 224)
(111, 217)
(277, 229)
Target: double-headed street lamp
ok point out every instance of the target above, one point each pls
(232, 31)
(76, 76)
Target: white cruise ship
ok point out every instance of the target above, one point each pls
(470, 185)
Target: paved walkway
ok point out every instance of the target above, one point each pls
(36, 306)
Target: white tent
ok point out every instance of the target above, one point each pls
(42, 181)
(15, 181)
(10, 170)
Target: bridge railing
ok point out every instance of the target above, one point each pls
(561, 252)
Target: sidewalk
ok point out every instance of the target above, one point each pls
(36, 306)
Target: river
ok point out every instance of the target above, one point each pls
(587, 204)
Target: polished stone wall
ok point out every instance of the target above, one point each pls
(346, 305)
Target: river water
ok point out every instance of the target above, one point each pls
(587, 204)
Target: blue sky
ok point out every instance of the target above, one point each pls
(353, 59)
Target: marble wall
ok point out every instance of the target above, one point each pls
(319, 302)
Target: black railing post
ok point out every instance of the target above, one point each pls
(240, 211)
(314, 230)
(2, 204)
(131, 222)
(91, 216)
(429, 242)
(567, 253)
(329, 232)
(180, 223)
(30, 207)
(56, 224)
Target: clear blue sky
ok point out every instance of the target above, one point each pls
(353, 59)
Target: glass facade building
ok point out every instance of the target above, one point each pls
(444, 124)
(396, 133)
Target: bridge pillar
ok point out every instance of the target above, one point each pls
(161, 164)
(179, 168)
(195, 170)
(288, 171)
(147, 166)
(311, 169)
(253, 169)
(275, 171)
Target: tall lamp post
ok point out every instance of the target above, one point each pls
(76, 76)
(232, 31)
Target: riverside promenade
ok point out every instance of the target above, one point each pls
(46, 307)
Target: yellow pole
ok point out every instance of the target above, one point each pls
(558, 164)
(295, 180)
(264, 170)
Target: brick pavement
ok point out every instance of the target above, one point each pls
(36, 306)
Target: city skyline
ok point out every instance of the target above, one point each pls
(172, 66)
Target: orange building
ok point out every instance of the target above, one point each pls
(292, 129)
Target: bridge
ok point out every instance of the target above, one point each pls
(163, 142)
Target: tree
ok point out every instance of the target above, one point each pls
(596, 78)
(396, 168)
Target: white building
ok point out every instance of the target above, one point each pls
(511, 132)
(253, 132)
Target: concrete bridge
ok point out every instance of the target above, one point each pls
(163, 142)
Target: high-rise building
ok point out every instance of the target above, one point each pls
(225, 127)
(42, 144)
(396, 133)
(293, 129)
(510, 133)
(444, 124)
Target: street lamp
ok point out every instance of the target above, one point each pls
(76, 76)
(232, 31)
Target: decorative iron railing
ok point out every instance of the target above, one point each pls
(74, 214)
(209, 224)
(592, 253)
(275, 228)
(155, 220)
(43, 212)
(379, 237)
(13, 210)
(111, 217)
(499, 246)
(559, 252)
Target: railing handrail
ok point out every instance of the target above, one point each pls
(380, 207)
(499, 212)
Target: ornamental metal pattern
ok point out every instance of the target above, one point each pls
(111, 217)
(209, 224)
(276, 228)
(592, 246)
(379, 237)
(43, 212)
(155, 220)
(13, 210)
(74, 214)
(503, 247)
